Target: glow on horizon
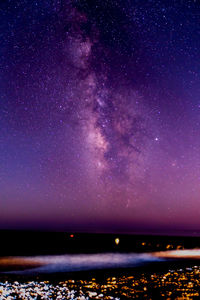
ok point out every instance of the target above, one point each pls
(185, 253)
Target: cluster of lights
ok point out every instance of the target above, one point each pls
(184, 283)
(45, 290)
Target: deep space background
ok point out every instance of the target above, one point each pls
(100, 115)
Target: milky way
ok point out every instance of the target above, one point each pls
(99, 115)
(112, 120)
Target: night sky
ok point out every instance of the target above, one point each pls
(100, 115)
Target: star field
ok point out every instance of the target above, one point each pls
(99, 115)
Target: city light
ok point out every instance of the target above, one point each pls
(117, 241)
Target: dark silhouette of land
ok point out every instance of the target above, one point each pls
(43, 243)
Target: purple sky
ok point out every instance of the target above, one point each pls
(100, 115)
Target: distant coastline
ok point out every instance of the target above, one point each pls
(20, 243)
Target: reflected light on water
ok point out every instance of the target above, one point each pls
(78, 262)
(186, 254)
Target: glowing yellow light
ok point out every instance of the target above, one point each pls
(117, 241)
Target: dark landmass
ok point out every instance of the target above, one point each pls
(16, 243)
